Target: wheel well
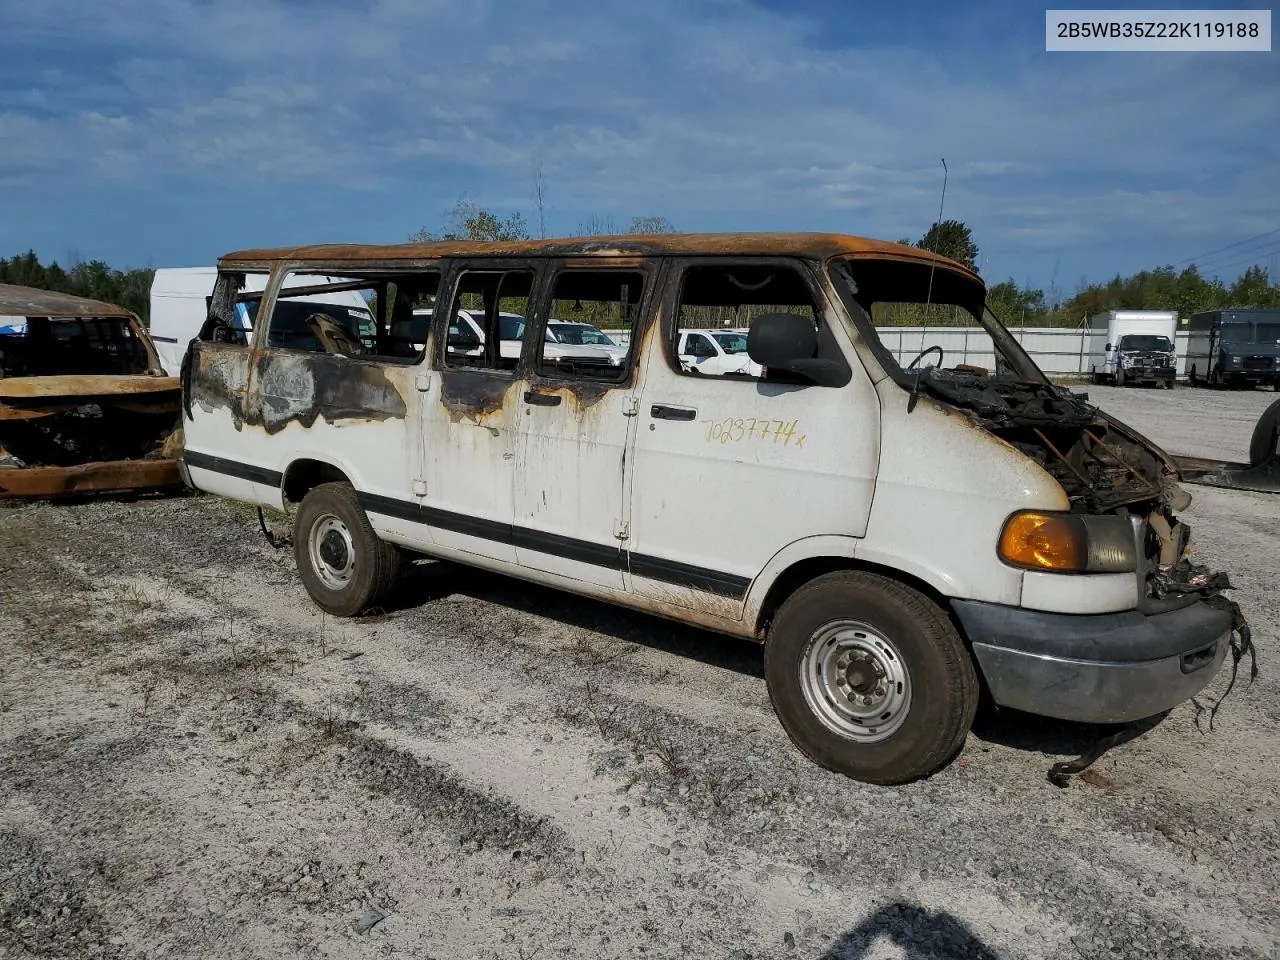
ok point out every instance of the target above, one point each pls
(305, 475)
(801, 572)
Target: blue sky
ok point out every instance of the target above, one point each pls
(167, 132)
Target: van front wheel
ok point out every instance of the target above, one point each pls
(869, 678)
(344, 565)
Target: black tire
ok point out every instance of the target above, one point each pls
(369, 563)
(1168, 384)
(1119, 376)
(1265, 443)
(942, 685)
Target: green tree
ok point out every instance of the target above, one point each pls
(1014, 305)
(953, 239)
(467, 220)
(1254, 289)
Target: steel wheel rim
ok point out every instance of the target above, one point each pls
(332, 552)
(855, 681)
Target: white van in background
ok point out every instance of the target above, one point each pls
(180, 304)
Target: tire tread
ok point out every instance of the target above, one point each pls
(961, 695)
(382, 558)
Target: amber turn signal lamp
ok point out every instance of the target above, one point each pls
(1045, 541)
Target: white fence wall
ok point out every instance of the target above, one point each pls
(1054, 349)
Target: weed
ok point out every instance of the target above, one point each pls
(599, 651)
(148, 691)
(645, 742)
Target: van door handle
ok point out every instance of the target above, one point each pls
(542, 399)
(660, 411)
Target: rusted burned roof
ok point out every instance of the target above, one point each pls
(30, 302)
(820, 245)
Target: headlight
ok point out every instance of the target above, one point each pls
(1068, 543)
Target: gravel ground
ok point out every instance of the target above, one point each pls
(196, 763)
(1192, 421)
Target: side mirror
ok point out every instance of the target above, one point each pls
(789, 342)
(1108, 348)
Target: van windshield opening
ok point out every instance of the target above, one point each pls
(913, 312)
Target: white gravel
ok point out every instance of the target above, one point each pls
(1192, 421)
(195, 763)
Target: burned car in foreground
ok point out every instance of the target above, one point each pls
(84, 404)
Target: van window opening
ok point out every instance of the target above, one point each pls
(497, 303)
(582, 301)
(368, 316)
(726, 298)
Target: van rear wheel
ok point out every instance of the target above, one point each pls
(344, 565)
(870, 678)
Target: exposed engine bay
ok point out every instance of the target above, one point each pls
(1101, 465)
(1104, 468)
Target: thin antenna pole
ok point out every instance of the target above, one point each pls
(941, 203)
(928, 299)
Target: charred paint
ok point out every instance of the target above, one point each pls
(473, 394)
(220, 379)
(291, 388)
(306, 388)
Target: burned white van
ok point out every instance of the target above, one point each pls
(896, 536)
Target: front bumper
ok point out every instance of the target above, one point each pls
(1149, 373)
(1098, 668)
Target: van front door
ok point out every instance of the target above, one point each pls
(729, 470)
(578, 411)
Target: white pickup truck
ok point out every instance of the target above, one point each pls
(717, 353)
(565, 343)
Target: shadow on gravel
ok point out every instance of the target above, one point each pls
(424, 581)
(919, 933)
(1027, 731)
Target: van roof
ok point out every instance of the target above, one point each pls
(819, 245)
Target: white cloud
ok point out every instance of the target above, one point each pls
(712, 111)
